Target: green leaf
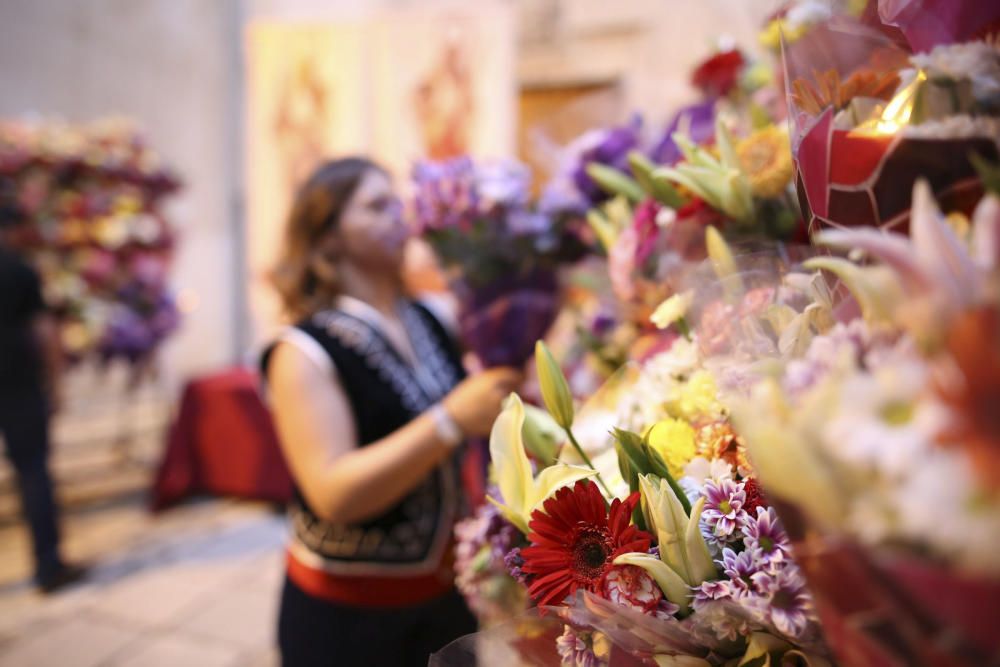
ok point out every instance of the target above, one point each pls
(989, 173)
(631, 445)
(603, 228)
(658, 467)
(660, 189)
(615, 182)
(629, 473)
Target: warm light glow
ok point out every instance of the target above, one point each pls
(188, 301)
(897, 112)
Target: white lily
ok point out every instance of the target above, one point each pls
(682, 546)
(672, 309)
(522, 492)
(935, 274)
(684, 559)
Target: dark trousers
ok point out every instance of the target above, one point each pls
(317, 633)
(24, 425)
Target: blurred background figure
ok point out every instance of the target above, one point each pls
(370, 403)
(29, 394)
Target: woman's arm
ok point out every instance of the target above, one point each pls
(341, 482)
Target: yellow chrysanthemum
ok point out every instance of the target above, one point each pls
(770, 36)
(674, 440)
(766, 158)
(959, 224)
(697, 399)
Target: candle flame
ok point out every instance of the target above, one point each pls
(898, 111)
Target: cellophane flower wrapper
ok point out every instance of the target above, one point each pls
(530, 639)
(929, 23)
(738, 316)
(892, 584)
(853, 169)
(92, 196)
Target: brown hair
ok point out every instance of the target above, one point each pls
(304, 276)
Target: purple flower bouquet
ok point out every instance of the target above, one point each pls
(499, 252)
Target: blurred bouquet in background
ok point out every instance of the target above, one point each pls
(641, 526)
(874, 428)
(92, 195)
(869, 116)
(500, 252)
(654, 226)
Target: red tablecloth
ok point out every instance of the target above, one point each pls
(223, 442)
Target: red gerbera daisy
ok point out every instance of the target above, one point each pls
(575, 540)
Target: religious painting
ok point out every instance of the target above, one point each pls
(444, 83)
(306, 103)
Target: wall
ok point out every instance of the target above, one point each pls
(175, 66)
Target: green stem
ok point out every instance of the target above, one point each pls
(683, 327)
(586, 459)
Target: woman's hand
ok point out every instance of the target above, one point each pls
(475, 403)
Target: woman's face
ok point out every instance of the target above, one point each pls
(372, 232)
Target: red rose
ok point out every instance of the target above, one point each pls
(716, 76)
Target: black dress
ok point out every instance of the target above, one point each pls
(378, 592)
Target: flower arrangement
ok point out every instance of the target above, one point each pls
(869, 118)
(875, 439)
(92, 196)
(500, 251)
(657, 542)
(654, 228)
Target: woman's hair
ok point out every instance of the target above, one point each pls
(304, 276)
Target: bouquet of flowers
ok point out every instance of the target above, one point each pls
(501, 252)
(654, 228)
(652, 543)
(877, 438)
(92, 195)
(869, 118)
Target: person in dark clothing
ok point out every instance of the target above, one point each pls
(372, 405)
(29, 373)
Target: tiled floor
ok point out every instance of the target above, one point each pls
(195, 586)
(198, 586)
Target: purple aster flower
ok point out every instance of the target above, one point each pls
(505, 183)
(740, 568)
(610, 147)
(699, 120)
(576, 648)
(710, 591)
(724, 500)
(766, 534)
(445, 194)
(513, 562)
(571, 189)
(783, 600)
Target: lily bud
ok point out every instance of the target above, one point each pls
(555, 390)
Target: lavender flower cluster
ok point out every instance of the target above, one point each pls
(572, 189)
(485, 543)
(760, 576)
(458, 192)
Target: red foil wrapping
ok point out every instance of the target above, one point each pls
(846, 179)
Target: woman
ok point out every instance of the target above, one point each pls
(371, 406)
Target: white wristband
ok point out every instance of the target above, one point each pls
(449, 432)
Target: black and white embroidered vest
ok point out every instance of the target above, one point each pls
(385, 393)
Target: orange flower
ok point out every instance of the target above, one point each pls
(972, 390)
(829, 90)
